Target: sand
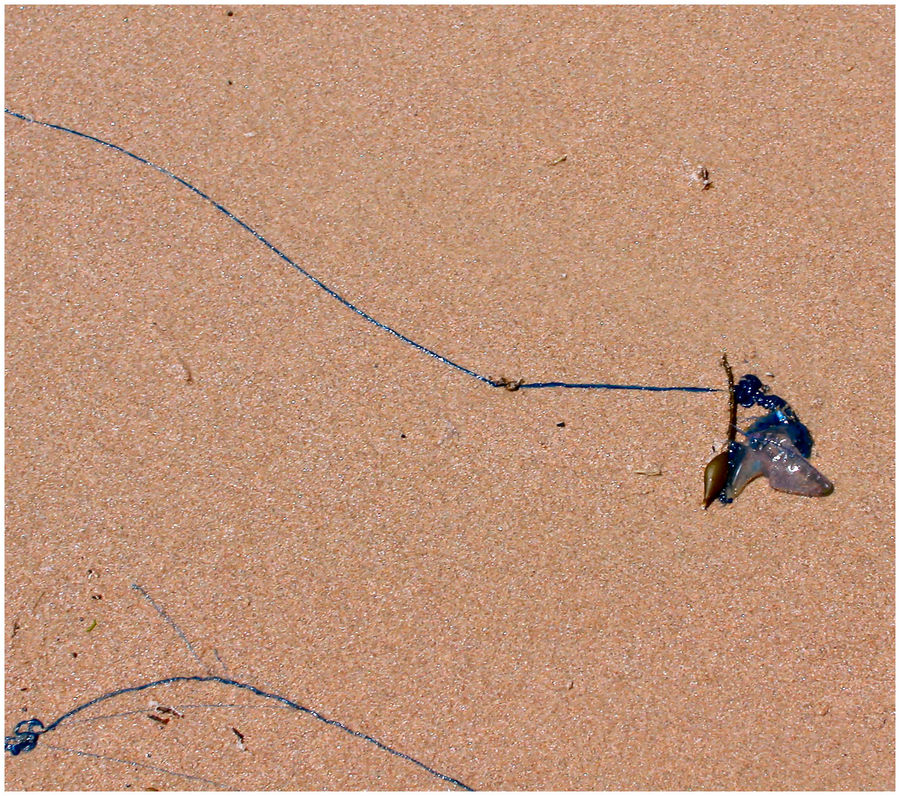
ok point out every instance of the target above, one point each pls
(479, 578)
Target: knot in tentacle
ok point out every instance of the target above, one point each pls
(24, 737)
(748, 390)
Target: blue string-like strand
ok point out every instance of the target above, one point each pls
(26, 733)
(337, 296)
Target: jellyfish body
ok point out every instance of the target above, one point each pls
(776, 446)
(774, 453)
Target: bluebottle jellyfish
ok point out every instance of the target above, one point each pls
(777, 445)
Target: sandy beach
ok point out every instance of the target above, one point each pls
(519, 589)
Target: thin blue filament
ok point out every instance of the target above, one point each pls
(346, 302)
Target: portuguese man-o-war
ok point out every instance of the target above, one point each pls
(776, 445)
